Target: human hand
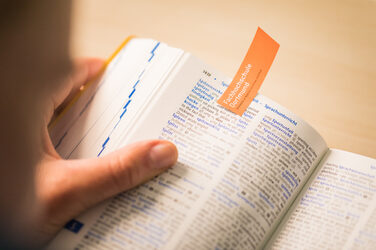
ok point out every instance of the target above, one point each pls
(65, 188)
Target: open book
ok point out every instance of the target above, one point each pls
(263, 180)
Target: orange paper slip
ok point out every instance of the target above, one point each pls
(247, 81)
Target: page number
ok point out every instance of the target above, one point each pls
(206, 73)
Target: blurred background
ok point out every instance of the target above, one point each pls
(325, 70)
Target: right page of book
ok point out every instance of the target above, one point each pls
(267, 155)
(239, 174)
(336, 210)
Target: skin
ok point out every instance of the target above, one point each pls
(40, 191)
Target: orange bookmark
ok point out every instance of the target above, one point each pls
(247, 81)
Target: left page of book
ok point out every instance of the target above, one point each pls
(114, 99)
(90, 131)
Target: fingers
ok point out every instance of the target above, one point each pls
(84, 71)
(91, 66)
(66, 188)
(97, 179)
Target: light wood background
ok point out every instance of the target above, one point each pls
(325, 70)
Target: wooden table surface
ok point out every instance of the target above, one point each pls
(325, 70)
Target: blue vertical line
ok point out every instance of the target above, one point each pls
(152, 52)
(131, 93)
(126, 105)
(134, 86)
(103, 146)
(141, 74)
(115, 126)
(99, 86)
(100, 152)
(125, 110)
(105, 142)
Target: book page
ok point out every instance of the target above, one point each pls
(264, 159)
(114, 99)
(234, 179)
(215, 163)
(337, 210)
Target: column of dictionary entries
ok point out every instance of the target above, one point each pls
(148, 216)
(334, 209)
(365, 237)
(276, 156)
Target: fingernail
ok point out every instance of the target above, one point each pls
(163, 155)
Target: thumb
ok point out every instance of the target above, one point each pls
(94, 180)
(68, 187)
